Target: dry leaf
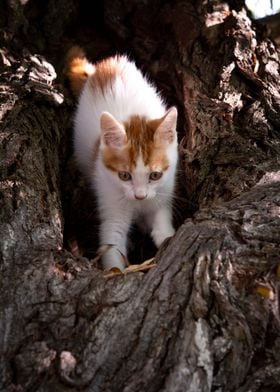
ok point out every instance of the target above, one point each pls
(265, 291)
(132, 268)
(140, 267)
(112, 272)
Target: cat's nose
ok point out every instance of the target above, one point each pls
(140, 196)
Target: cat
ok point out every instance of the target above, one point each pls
(125, 142)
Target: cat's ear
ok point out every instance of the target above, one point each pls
(112, 132)
(165, 132)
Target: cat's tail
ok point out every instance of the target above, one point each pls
(78, 69)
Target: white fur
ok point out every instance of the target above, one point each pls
(118, 207)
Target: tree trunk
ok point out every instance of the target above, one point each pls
(205, 317)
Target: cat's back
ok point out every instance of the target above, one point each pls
(114, 74)
(119, 87)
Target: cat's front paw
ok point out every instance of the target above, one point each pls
(113, 258)
(160, 235)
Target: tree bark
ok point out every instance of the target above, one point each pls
(272, 23)
(205, 317)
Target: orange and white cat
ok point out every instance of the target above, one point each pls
(125, 142)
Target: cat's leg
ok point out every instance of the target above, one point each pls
(162, 227)
(113, 231)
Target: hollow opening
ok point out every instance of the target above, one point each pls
(81, 221)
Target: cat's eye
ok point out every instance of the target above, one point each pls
(154, 176)
(124, 176)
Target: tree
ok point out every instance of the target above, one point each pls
(206, 316)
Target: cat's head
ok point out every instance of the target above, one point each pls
(140, 155)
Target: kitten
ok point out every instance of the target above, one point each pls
(125, 142)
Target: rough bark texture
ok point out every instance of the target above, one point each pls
(206, 317)
(272, 24)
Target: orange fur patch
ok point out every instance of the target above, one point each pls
(102, 74)
(140, 142)
(105, 73)
(140, 133)
(78, 69)
(117, 160)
